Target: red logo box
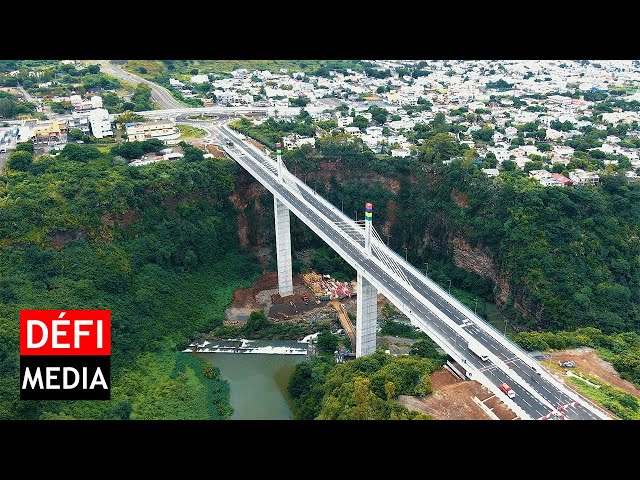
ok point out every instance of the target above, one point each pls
(65, 332)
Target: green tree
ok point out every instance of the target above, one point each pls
(25, 147)
(485, 133)
(75, 134)
(257, 321)
(378, 114)
(508, 165)
(20, 160)
(360, 122)
(327, 342)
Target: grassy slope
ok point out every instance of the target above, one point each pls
(188, 131)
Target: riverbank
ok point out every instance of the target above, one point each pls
(242, 346)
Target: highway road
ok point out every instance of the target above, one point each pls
(27, 96)
(535, 394)
(159, 94)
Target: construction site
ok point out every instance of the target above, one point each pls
(315, 298)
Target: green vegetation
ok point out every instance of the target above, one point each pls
(156, 245)
(400, 329)
(258, 326)
(271, 131)
(623, 404)
(189, 131)
(621, 349)
(327, 342)
(361, 389)
(11, 107)
(499, 85)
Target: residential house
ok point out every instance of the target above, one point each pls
(491, 172)
(400, 152)
(550, 182)
(581, 177)
(199, 78)
(539, 174)
(79, 122)
(566, 182)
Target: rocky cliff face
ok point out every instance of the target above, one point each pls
(478, 260)
(247, 200)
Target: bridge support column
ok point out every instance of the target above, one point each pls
(367, 317)
(283, 248)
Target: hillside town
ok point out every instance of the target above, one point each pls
(563, 122)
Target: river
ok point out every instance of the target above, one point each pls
(258, 383)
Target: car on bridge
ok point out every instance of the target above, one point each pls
(507, 389)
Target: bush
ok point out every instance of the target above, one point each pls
(327, 342)
(257, 321)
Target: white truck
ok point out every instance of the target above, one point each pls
(478, 349)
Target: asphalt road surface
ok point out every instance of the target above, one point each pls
(525, 398)
(159, 94)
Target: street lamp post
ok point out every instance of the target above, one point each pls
(342, 205)
(426, 271)
(405, 254)
(475, 306)
(356, 215)
(449, 286)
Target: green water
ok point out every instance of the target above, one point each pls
(258, 383)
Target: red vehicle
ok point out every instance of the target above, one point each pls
(507, 389)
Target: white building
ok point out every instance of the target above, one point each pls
(539, 174)
(100, 124)
(550, 182)
(164, 130)
(491, 172)
(552, 134)
(580, 177)
(511, 132)
(199, 78)
(294, 140)
(400, 152)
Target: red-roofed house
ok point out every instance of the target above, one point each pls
(566, 182)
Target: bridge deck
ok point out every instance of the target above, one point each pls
(441, 316)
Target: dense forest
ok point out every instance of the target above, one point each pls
(156, 245)
(362, 389)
